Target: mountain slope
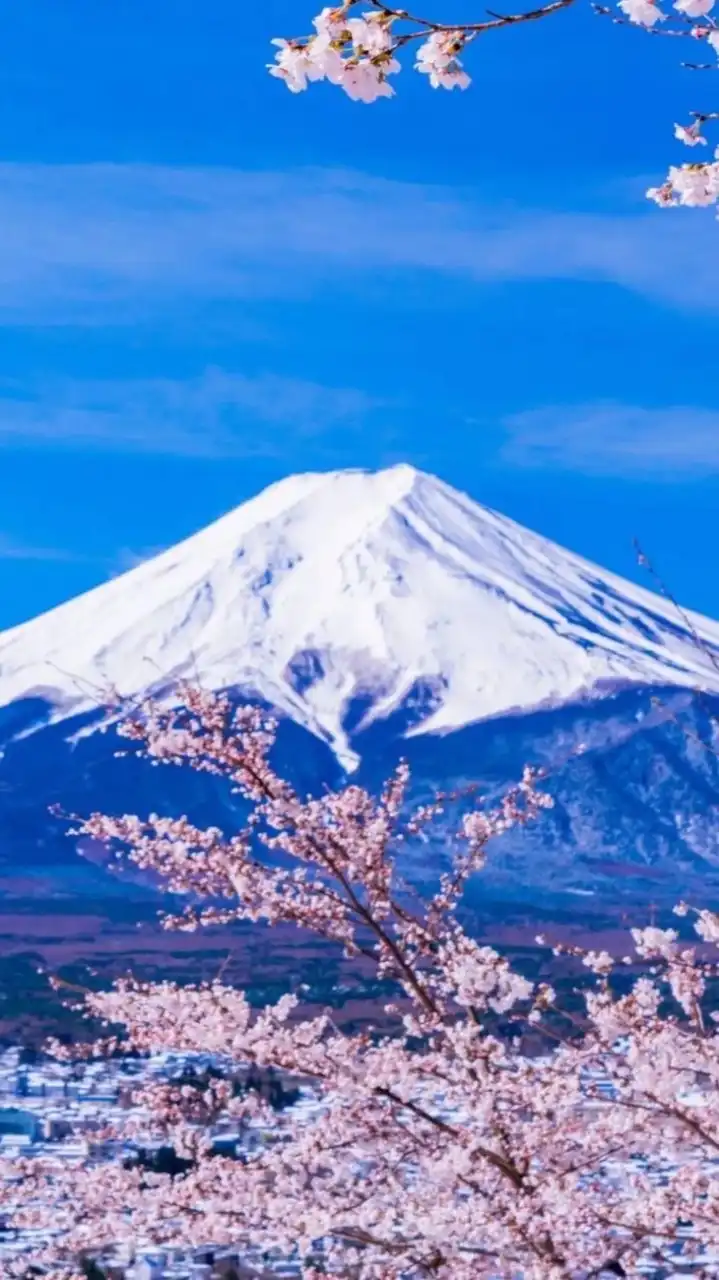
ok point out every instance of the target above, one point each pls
(343, 598)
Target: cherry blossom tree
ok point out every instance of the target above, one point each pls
(360, 45)
(437, 1146)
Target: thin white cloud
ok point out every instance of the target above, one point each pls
(675, 442)
(215, 415)
(15, 549)
(86, 243)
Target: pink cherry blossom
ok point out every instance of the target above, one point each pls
(694, 8)
(365, 79)
(437, 59)
(696, 186)
(645, 13)
(663, 196)
(689, 135)
(294, 65)
(370, 34)
(331, 21)
(437, 1146)
(326, 60)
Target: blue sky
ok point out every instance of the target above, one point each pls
(207, 283)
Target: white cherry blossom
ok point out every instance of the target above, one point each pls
(365, 79)
(370, 34)
(696, 186)
(331, 21)
(437, 58)
(689, 135)
(663, 196)
(326, 60)
(294, 65)
(645, 13)
(694, 8)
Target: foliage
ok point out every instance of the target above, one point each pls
(437, 1148)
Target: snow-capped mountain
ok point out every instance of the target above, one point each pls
(367, 591)
(383, 614)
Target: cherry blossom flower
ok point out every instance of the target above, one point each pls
(365, 79)
(663, 196)
(645, 13)
(331, 22)
(370, 34)
(326, 60)
(707, 926)
(694, 8)
(689, 135)
(655, 942)
(696, 186)
(599, 962)
(437, 58)
(294, 65)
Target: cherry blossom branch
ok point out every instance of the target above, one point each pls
(496, 20)
(441, 1130)
(693, 185)
(358, 53)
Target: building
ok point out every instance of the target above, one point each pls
(17, 1123)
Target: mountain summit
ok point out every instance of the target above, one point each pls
(361, 590)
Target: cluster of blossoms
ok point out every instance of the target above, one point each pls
(440, 1146)
(357, 51)
(694, 185)
(646, 13)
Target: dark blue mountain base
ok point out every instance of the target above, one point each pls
(636, 813)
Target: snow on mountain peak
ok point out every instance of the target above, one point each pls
(327, 590)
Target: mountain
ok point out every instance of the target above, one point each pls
(381, 613)
(331, 590)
